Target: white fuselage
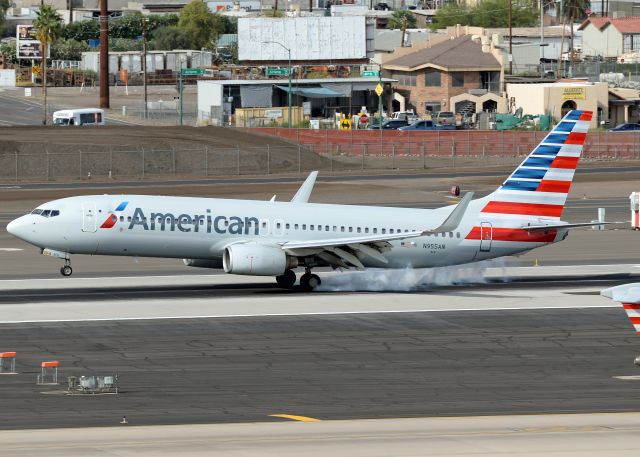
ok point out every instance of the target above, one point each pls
(201, 228)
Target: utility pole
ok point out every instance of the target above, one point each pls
(144, 63)
(104, 55)
(510, 39)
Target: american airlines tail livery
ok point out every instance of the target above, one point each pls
(271, 238)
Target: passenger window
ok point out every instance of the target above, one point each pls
(295, 226)
(326, 228)
(358, 229)
(278, 225)
(450, 234)
(384, 231)
(304, 226)
(264, 225)
(457, 234)
(335, 228)
(375, 230)
(129, 219)
(366, 230)
(342, 228)
(121, 218)
(350, 229)
(288, 226)
(311, 227)
(390, 230)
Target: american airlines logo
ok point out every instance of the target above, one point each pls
(113, 218)
(208, 223)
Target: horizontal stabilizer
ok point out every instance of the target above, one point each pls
(542, 228)
(303, 194)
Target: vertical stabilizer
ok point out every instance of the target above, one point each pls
(539, 186)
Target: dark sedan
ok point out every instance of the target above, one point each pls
(625, 128)
(392, 124)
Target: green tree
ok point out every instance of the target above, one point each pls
(8, 50)
(489, 13)
(124, 45)
(81, 31)
(402, 19)
(129, 26)
(168, 38)
(200, 24)
(48, 25)
(4, 5)
(68, 49)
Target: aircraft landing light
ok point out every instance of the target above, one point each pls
(295, 418)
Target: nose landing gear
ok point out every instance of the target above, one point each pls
(66, 270)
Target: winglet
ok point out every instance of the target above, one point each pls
(302, 196)
(453, 220)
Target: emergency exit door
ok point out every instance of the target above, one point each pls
(89, 217)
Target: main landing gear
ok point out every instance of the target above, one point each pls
(66, 270)
(308, 281)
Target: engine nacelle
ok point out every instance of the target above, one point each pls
(256, 259)
(203, 263)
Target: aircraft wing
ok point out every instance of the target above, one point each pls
(347, 251)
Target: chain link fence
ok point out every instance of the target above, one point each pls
(316, 150)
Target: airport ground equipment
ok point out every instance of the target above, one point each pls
(635, 210)
(7, 362)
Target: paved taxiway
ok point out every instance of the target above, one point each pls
(613, 435)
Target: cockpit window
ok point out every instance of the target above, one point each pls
(46, 212)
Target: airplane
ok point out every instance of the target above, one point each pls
(271, 238)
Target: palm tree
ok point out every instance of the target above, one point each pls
(47, 25)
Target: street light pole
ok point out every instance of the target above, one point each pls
(144, 62)
(289, 93)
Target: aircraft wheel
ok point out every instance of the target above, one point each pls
(310, 281)
(287, 279)
(66, 270)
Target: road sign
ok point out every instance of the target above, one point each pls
(369, 73)
(277, 71)
(379, 89)
(192, 71)
(345, 124)
(35, 70)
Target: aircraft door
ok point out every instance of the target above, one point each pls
(486, 235)
(89, 217)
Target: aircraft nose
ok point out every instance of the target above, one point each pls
(18, 227)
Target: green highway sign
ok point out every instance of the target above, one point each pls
(192, 71)
(369, 73)
(277, 71)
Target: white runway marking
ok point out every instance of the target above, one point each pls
(11, 249)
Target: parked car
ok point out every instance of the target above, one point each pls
(381, 7)
(625, 128)
(445, 118)
(427, 125)
(392, 124)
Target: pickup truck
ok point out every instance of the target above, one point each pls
(427, 125)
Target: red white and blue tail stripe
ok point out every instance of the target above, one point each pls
(539, 187)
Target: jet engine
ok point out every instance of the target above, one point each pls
(256, 259)
(203, 263)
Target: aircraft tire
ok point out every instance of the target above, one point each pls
(66, 270)
(287, 279)
(309, 281)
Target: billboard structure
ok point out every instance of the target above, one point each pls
(27, 45)
(337, 38)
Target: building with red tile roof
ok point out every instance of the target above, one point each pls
(610, 37)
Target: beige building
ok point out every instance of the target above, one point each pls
(609, 37)
(560, 97)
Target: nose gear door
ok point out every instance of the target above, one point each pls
(89, 216)
(486, 235)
